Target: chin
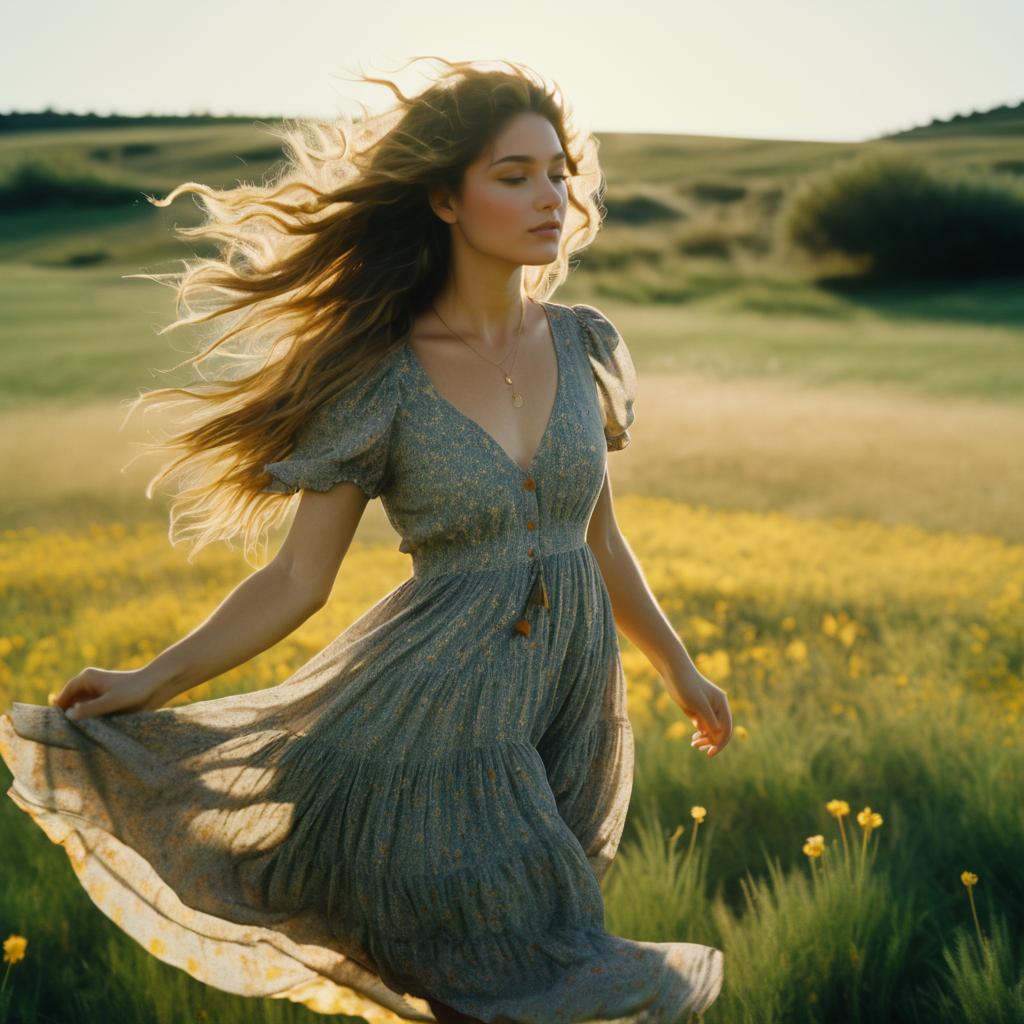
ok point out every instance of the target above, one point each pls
(538, 260)
(531, 256)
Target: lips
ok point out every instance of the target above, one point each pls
(551, 224)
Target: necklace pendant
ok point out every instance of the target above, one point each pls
(517, 399)
(508, 379)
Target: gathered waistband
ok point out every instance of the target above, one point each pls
(537, 600)
(440, 558)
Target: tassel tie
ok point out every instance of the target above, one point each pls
(538, 598)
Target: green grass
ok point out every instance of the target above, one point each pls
(76, 336)
(764, 385)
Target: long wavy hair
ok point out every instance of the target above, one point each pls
(320, 274)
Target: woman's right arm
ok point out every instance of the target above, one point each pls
(263, 609)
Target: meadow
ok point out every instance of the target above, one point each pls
(823, 488)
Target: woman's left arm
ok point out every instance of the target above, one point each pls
(640, 617)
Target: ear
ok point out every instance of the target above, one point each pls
(441, 203)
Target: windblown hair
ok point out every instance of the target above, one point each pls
(321, 273)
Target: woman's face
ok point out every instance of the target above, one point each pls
(517, 184)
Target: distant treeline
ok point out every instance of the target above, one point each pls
(48, 119)
(1001, 120)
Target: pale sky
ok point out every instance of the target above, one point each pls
(786, 69)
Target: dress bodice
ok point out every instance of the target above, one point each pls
(457, 499)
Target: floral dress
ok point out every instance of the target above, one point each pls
(427, 806)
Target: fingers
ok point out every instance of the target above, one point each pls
(75, 690)
(83, 698)
(710, 714)
(702, 741)
(96, 691)
(713, 736)
(101, 705)
(712, 740)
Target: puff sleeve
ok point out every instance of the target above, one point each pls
(614, 374)
(347, 438)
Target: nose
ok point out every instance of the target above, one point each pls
(552, 197)
(551, 202)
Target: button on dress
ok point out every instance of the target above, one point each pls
(427, 806)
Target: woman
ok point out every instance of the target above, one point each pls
(414, 825)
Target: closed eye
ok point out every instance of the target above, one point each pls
(515, 181)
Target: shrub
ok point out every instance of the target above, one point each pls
(39, 184)
(907, 220)
(640, 209)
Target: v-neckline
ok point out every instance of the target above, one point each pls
(552, 415)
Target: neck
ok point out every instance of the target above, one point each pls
(487, 316)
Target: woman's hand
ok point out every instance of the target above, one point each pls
(707, 706)
(100, 691)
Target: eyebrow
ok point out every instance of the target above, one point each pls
(523, 158)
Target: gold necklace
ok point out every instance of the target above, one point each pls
(517, 398)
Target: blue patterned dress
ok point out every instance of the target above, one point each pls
(428, 805)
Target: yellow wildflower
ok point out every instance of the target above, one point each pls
(868, 819)
(741, 732)
(814, 846)
(837, 808)
(796, 650)
(848, 633)
(970, 879)
(698, 813)
(14, 948)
